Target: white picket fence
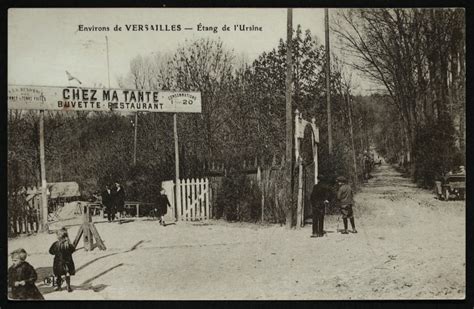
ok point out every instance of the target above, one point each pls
(194, 200)
(24, 226)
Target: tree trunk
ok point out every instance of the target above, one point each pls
(289, 123)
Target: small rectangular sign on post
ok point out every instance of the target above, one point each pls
(102, 99)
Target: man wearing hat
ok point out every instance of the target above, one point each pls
(107, 201)
(118, 196)
(320, 197)
(345, 201)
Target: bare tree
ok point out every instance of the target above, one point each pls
(411, 53)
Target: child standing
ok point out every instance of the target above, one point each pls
(63, 264)
(345, 200)
(22, 277)
(162, 205)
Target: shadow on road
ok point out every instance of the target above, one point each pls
(88, 281)
(111, 254)
(126, 221)
(86, 285)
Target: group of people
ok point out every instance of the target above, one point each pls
(368, 164)
(22, 276)
(321, 195)
(113, 199)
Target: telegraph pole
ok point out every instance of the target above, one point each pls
(351, 131)
(108, 65)
(176, 159)
(135, 124)
(328, 78)
(289, 121)
(44, 198)
(135, 139)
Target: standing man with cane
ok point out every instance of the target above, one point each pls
(320, 197)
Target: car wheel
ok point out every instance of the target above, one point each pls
(446, 194)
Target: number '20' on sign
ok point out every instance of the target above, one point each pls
(187, 102)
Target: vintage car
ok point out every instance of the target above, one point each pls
(452, 186)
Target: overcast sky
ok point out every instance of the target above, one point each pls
(44, 43)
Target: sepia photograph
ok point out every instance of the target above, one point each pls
(236, 154)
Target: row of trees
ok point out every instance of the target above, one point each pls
(242, 119)
(418, 56)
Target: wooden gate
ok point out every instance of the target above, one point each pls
(194, 200)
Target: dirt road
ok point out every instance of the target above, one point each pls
(409, 245)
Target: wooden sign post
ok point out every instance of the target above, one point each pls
(44, 188)
(100, 99)
(177, 187)
(89, 232)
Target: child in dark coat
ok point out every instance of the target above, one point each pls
(22, 277)
(162, 204)
(63, 264)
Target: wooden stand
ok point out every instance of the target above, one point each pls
(89, 231)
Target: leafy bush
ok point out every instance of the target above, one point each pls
(435, 151)
(238, 199)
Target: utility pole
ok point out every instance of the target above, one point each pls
(135, 123)
(135, 140)
(60, 168)
(108, 65)
(328, 78)
(289, 121)
(176, 159)
(349, 107)
(44, 197)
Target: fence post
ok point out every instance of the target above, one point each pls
(262, 189)
(185, 200)
(206, 196)
(201, 197)
(193, 193)
(211, 201)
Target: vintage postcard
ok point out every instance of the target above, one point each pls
(236, 154)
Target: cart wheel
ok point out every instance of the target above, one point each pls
(446, 194)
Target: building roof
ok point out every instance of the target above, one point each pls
(63, 189)
(57, 189)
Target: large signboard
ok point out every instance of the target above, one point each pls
(102, 99)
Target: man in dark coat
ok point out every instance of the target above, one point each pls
(119, 200)
(345, 201)
(108, 203)
(22, 277)
(320, 197)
